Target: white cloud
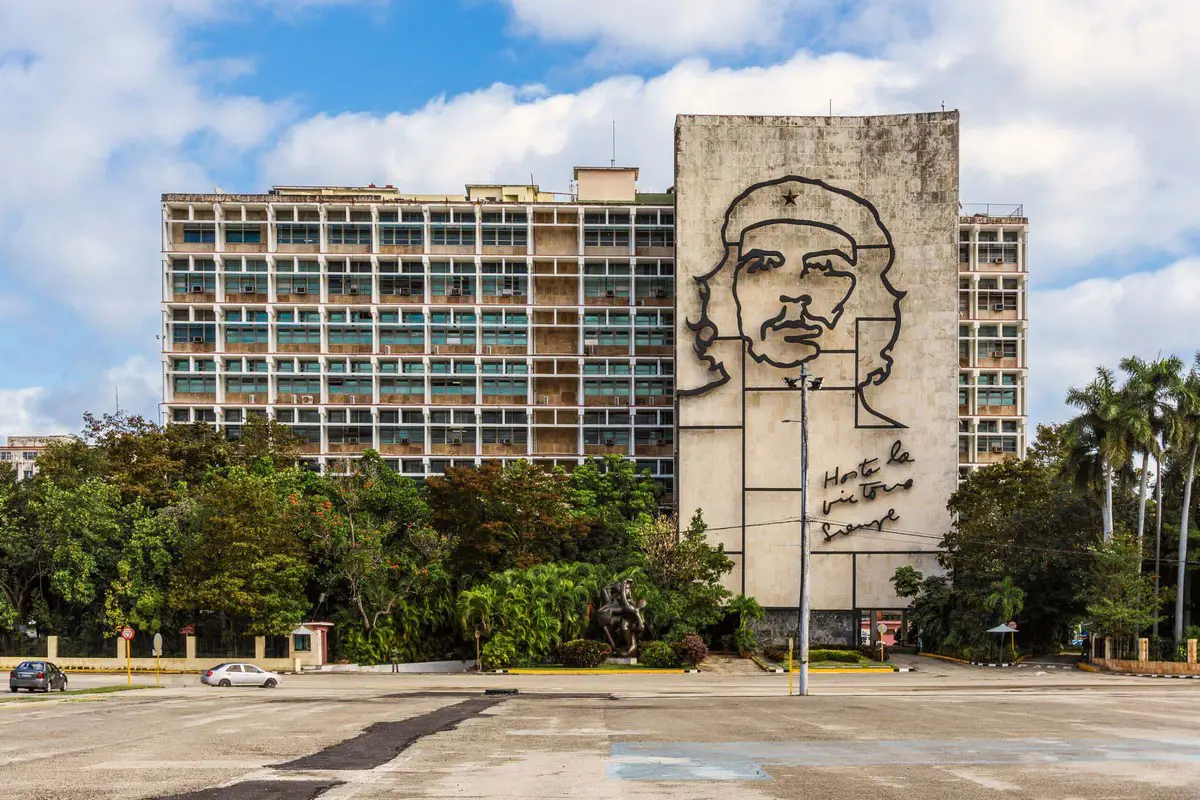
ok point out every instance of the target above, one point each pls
(103, 109)
(659, 29)
(22, 412)
(1101, 320)
(138, 383)
(500, 133)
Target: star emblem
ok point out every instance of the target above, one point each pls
(789, 199)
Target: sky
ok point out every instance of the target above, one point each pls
(1083, 111)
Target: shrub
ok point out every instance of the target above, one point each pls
(583, 653)
(839, 656)
(658, 655)
(745, 641)
(776, 652)
(691, 650)
(500, 652)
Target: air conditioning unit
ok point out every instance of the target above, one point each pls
(506, 441)
(507, 292)
(487, 350)
(997, 354)
(306, 399)
(402, 438)
(352, 290)
(660, 441)
(610, 293)
(456, 292)
(248, 289)
(997, 449)
(618, 401)
(353, 399)
(660, 293)
(387, 348)
(589, 350)
(543, 400)
(299, 290)
(998, 307)
(456, 437)
(351, 440)
(434, 349)
(250, 398)
(197, 340)
(609, 441)
(640, 302)
(197, 290)
(405, 291)
(997, 260)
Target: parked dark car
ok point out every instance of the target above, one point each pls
(37, 675)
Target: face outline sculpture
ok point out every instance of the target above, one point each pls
(805, 270)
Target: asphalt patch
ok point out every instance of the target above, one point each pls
(383, 741)
(261, 790)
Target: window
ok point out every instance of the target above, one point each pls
(401, 235)
(505, 236)
(349, 234)
(452, 235)
(655, 237)
(299, 234)
(512, 387)
(195, 384)
(199, 234)
(243, 234)
(605, 237)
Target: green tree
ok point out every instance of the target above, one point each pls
(1185, 429)
(1146, 395)
(243, 558)
(684, 571)
(1006, 598)
(1100, 438)
(1022, 520)
(504, 517)
(932, 605)
(1121, 600)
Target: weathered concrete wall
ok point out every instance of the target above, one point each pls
(825, 627)
(827, 242)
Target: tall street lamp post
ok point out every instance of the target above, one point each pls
(803, 383)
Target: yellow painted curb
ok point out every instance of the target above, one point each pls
(595, 672)
(944, 658)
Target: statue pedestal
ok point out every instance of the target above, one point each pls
(622, 661)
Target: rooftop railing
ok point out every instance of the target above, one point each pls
(991, 210)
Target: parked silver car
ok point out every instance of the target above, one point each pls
(240, 674)
(37, 676)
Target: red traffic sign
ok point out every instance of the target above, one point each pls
(127, 633)
(1012, 624)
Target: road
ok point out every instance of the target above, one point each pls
(945, 731)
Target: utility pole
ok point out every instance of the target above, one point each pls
(803, 610)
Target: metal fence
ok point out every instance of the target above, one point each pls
(18, 645)
(277, 647)
(88, 644)
(224, 646)
(142, 646)
(1127, 650)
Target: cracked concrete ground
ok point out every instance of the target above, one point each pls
(946, 731)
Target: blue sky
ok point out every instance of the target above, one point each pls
(1082, 110)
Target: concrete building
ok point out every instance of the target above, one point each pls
(829, 244)
(993, 315)
(502, 323)
(21, 452)
(508, 322)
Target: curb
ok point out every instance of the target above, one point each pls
(519, 671)
(764, 667)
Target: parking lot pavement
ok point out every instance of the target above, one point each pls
(949, 732)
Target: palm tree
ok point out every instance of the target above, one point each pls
(1008, 599)
(1100, 441)
(1186, 436)
(1146, 396)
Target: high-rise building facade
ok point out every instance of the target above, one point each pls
(503, 323)
(993, 315)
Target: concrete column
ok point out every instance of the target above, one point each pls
(1191, 651)
(189, 645)
(1108, 647)
(52, 648)
(120, 648)
(260, 647)
(1143, 649)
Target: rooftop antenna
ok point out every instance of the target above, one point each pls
(831, 106)
(117, 397)
(613, 163)
(943, 105)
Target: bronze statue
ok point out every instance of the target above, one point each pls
(620, 617)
